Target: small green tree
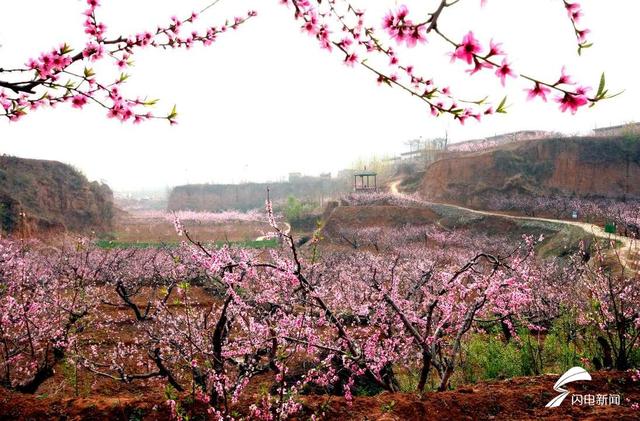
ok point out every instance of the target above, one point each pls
(293, 209)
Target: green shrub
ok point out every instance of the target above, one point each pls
(407, 379)
(559, 355)
(566, 344)
(531, 354)
(487, 357)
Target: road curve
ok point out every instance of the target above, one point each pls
(629, 245)
(286, 231)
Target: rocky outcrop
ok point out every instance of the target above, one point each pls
(47, 196)
(582, 167)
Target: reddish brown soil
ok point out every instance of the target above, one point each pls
(22, 407)
(128, 229)
(380, 216)
(516, 399)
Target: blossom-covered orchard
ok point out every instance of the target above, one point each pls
(223, 217)
(68, 73)
(625, 215)
(245, 334)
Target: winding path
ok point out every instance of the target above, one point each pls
(629, 245)
(286, 231)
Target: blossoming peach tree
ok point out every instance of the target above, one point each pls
(66, 74)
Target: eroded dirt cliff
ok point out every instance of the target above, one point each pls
(582, 167)
(39, 196)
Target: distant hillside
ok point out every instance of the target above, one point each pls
(582, 167)
(216, 197)
(47, 196)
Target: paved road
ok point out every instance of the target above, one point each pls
(629, 245)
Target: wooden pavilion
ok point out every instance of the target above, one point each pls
(365, 181)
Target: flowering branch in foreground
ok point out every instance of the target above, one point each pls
(337, 24)
(58, 76)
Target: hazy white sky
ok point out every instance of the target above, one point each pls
(266, 100)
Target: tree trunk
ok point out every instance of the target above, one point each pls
(424, 373)
(444, 382)
(505, 329)
(607, 360)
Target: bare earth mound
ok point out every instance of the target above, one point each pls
(377, 216)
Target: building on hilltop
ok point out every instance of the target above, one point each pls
(425, 150)
(620, 130)
(501, 139)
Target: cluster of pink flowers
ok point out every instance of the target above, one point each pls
(608, 300)
(403, 30)
(336, 24)
(39, 309)
(5, 102)
(48, 65)
(478, 145)
(473, 146)
(574, 10)
(383, 199)
(93, 51)
(568, 100)
(203, 217)
(91, 25)
(470, 51)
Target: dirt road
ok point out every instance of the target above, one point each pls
(286, 231)
(628, 252)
